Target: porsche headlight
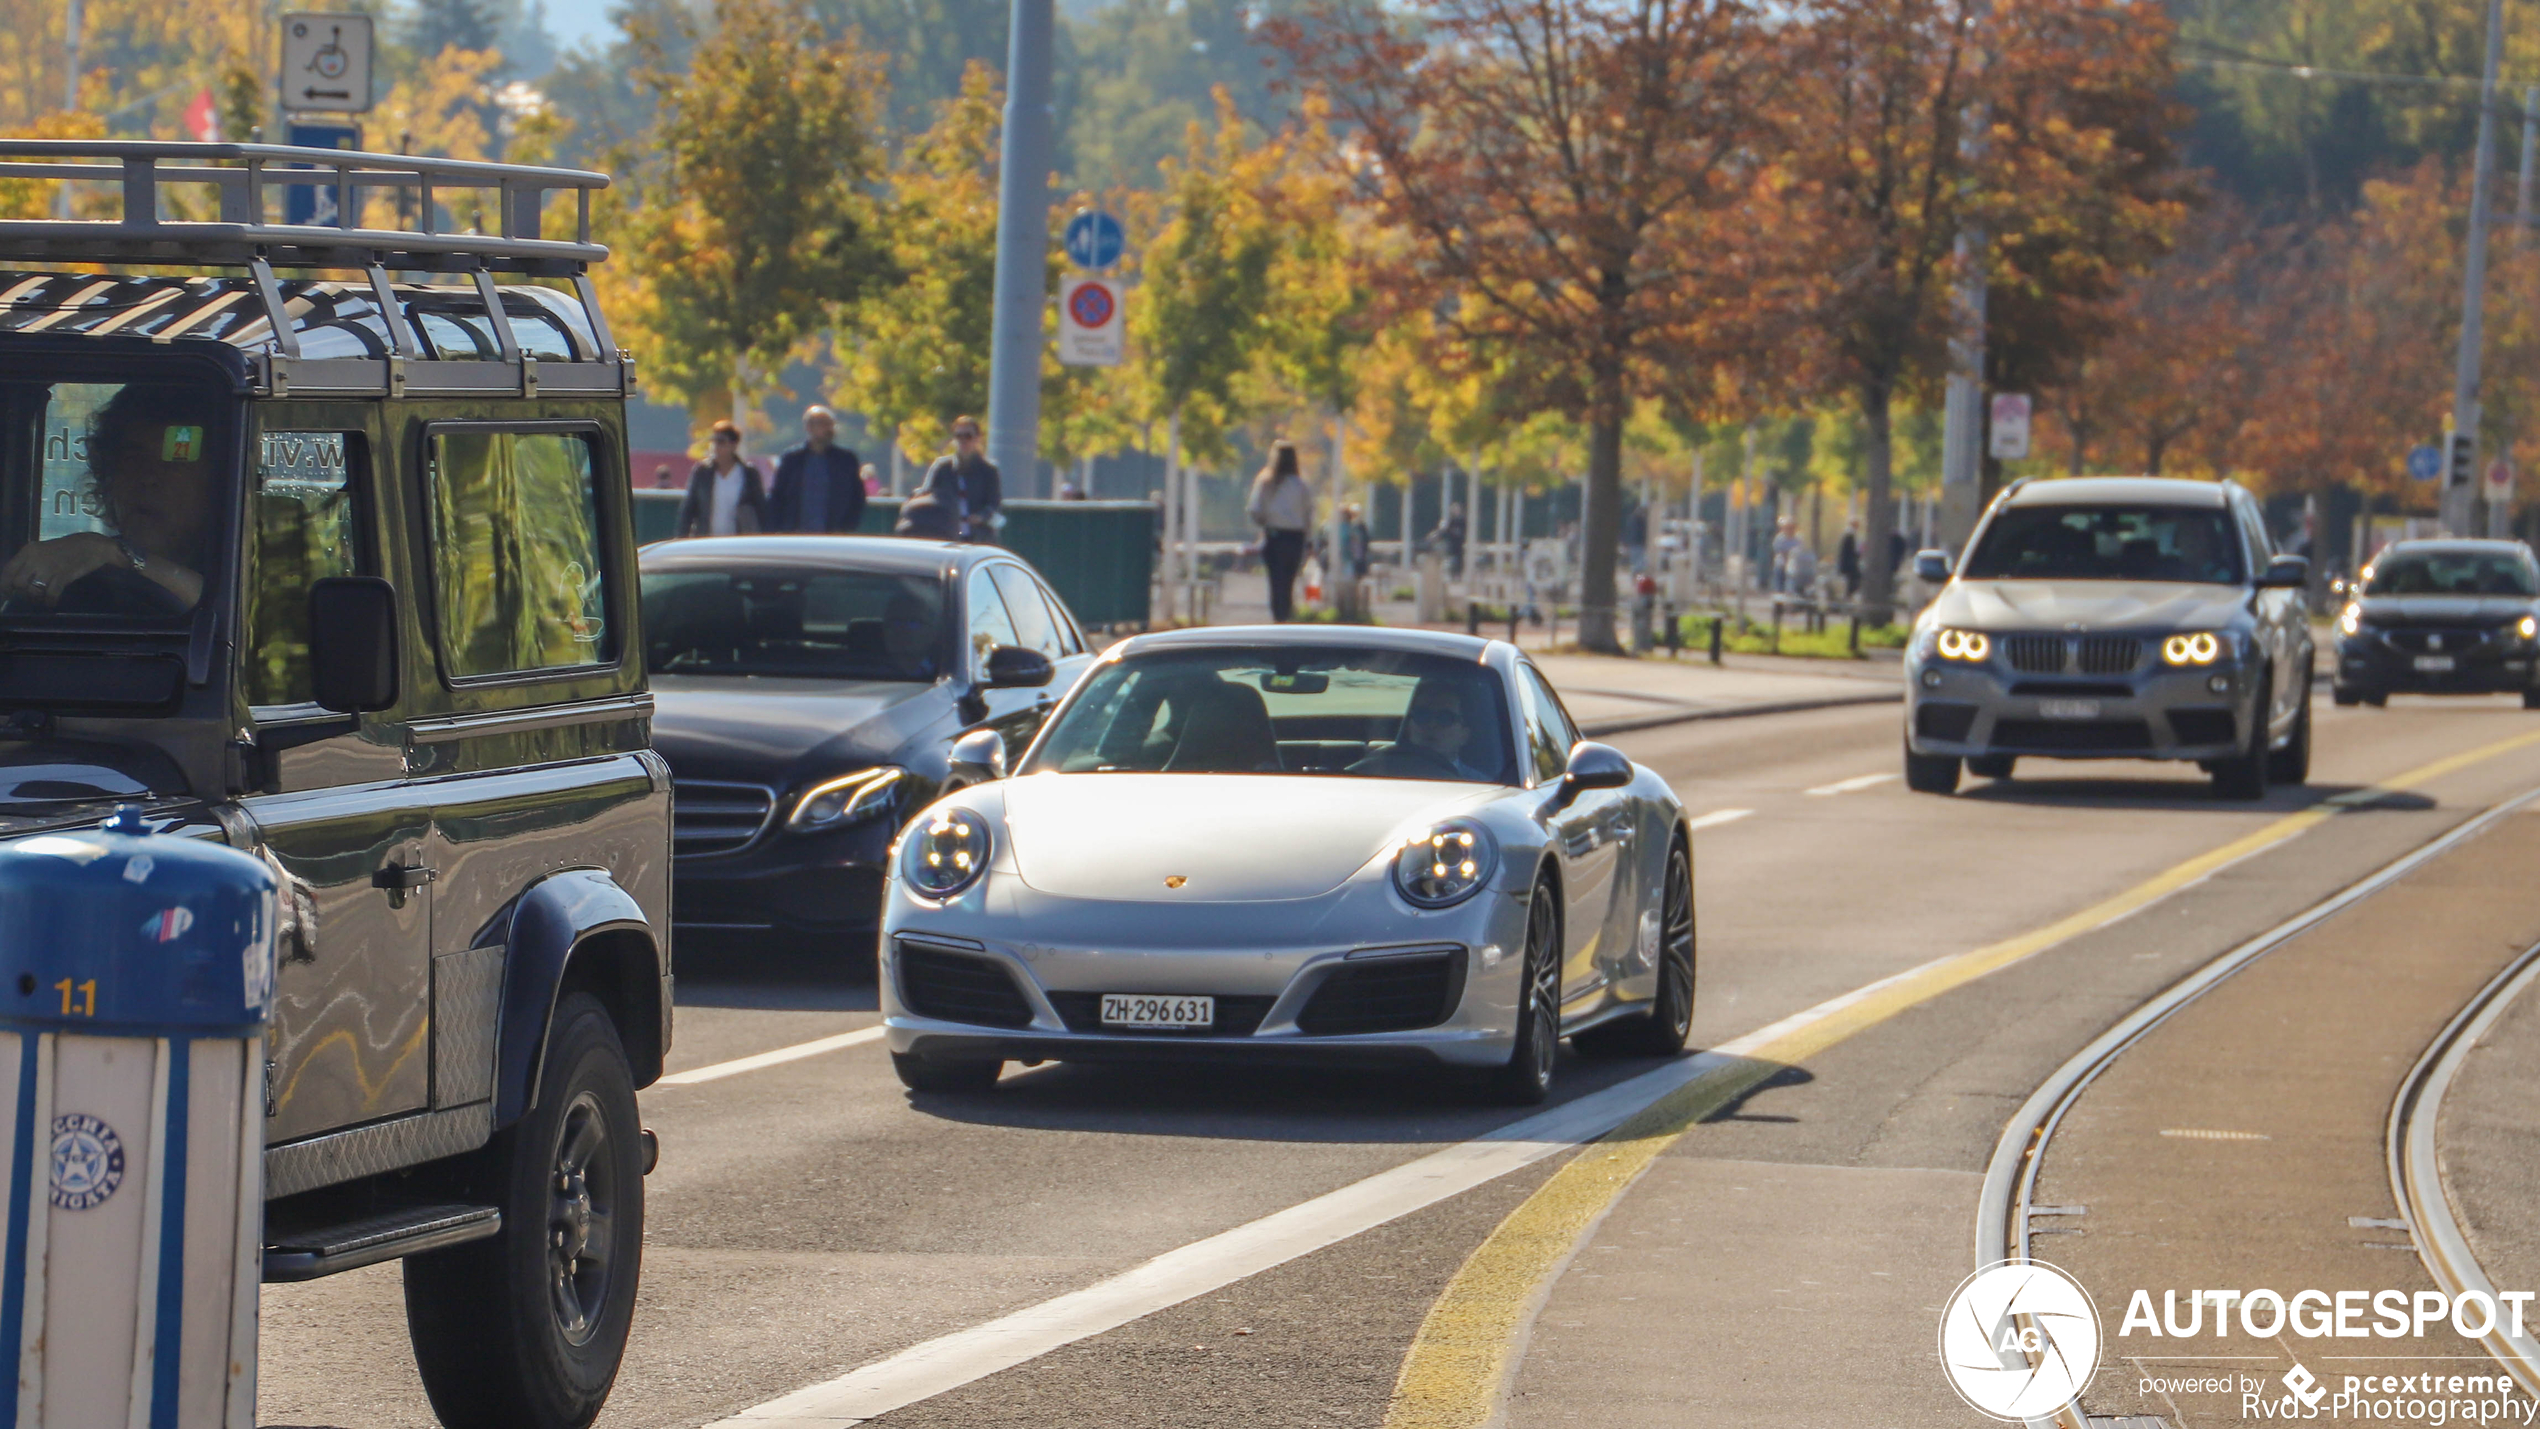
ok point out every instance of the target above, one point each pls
(1968, 645)
(2203, 647)
(845, 799)
(2351, 619)
(945, 854)
(1445, 865)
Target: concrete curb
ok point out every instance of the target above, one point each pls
(1599, 729)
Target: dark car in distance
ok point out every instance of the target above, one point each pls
(810, 693)
(2442, 617)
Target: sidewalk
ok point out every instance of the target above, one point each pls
(2487, 1143)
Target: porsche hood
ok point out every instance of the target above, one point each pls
(1231, 838)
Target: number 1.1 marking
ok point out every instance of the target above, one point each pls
(86, 1005)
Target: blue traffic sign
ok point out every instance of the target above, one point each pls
(314, 204)
(2424, 463)
(1094, 239)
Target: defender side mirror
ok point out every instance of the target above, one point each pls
(2286, 573)
(1931, 567)
(979, 756)
(1011, 667)
(353, 643)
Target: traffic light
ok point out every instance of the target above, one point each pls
(2460, 460)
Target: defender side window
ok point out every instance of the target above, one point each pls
(307, 527)
(519, 582)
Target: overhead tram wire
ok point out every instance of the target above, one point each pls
(2221, 58)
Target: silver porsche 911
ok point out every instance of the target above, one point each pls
(1336, 847)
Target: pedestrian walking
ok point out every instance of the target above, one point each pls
(982, 490)
(1447, 538)
(1785, 541)
(1847, 560)
(819, 485)
(872, 476)
(1282, 505)
(725, 497)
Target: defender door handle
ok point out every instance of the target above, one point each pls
(403, 877)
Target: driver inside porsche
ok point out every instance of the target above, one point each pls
(1436, 727)
(150, 472)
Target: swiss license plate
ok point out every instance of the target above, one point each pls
(2434, 664)
(2068, 709)
(1127, 1009)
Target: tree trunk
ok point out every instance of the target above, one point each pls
(1600, 525)
(2156, 445)
(1878, 573)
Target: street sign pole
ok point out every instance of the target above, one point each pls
(2458, 491)
(1014, 358)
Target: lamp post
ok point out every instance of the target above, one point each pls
(1014, 357)
(2457, 493)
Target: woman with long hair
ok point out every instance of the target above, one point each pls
(1282, 505)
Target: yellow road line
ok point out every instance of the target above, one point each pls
(1460, 1363)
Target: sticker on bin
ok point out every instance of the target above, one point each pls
(167, 925)
(87, 1161)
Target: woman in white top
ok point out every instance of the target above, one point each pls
(725, 497)
(1282, 505)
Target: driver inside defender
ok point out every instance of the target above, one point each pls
(148, 509)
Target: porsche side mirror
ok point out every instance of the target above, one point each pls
(1931, 567)
(1594, 766)
(1011, 667)
(979, 756)
(353, 643)
(2286, 573)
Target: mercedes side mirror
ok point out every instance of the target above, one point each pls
(1011, 667)
(353, 643)
(979, 756)
(1931, 567)
(2287, 573)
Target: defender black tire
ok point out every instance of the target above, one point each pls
(1931, 773)
(2345, 696)
(928, 1074)
(525, 1330)
(2244, 775)
(1661, 1031)
(2291, 765)
(1527, 1079)
(1993, 766)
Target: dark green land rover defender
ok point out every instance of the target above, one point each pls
(317, 540)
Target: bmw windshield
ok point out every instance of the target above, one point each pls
(2108, 543)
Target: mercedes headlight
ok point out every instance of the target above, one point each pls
(845, 799)
(2203, 647)
(1446, 865)
(1969, 645)
(2351, 619)
(945, 853)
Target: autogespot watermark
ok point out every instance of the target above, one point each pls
(2020, 1341)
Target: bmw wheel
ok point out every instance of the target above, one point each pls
(2243, 776)
(1931, 773)
(2291, 765)
(1661, 1031)
(1527, 1079)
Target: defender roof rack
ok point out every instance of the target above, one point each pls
(249, 180)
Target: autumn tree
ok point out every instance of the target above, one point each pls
(2068, 173)
(1196, 320)
(1561, 169)
(745, 218)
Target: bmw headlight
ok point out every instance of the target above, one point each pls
(1446, 865)
(1968, 645)
(2351, 619)
(945, 854)
(2202, 647)
(845, 799)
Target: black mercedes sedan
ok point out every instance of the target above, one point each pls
(809, 693)
(2443, 617)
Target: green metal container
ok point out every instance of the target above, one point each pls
(1098, 555)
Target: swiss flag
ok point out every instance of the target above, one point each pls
(202, 119)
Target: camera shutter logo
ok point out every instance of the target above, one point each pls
(2018, 1342)
(87, 1161)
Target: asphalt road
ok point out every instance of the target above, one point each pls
(810, 1217)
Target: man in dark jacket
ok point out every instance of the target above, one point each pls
(819, 485)
(969, 470)
(935, 512)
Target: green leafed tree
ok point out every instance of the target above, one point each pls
(1196, 321)
(745, 220)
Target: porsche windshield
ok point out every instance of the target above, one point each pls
(110, 498)
(793, 623)
(2107, 543)
(1377, 714)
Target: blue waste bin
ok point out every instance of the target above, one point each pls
(136, 978)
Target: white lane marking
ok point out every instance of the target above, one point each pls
(781, 1055)
(951, 1361)
(1718, 817)
(1852, 785)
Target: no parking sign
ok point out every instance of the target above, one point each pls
(1089, 326)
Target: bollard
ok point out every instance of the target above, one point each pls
(1718, 624)
(136, 978)
(1856, 634)
(1674, 632)
(1472, 617)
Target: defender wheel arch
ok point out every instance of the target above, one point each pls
(576, 931)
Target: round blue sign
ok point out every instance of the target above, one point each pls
(1094, 239)
(2425, 463)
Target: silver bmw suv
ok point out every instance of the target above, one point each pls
(2113, 618)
